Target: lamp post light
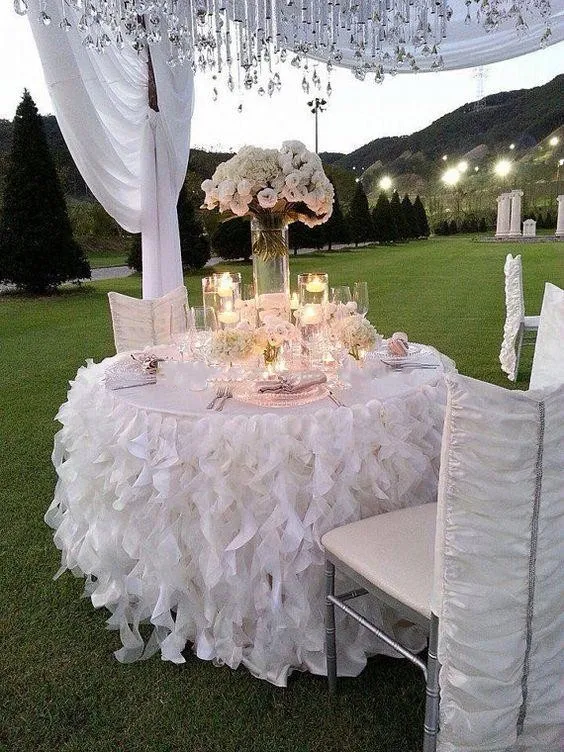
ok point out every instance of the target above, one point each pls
(560, 164)
(316, 105)
(385, 183)
(502, 168)
(554, 141)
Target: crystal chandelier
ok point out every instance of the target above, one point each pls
(243, 41)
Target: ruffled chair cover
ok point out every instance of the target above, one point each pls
(548, 361)
(139, 323)
(498, 569)
(514, 314)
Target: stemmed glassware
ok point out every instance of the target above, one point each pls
(360, 297)
(341, 294)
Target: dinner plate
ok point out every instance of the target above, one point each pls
(387, 357)
(248, 393)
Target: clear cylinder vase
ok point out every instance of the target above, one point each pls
(271, 266)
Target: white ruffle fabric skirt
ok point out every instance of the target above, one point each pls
(208, 526)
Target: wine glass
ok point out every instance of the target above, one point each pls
(341, 294)
(360, 297)
(204, 323)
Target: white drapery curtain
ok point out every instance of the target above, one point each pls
(132, 157)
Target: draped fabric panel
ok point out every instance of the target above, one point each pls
(133, 158)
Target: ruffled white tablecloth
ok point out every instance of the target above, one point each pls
(208, 525)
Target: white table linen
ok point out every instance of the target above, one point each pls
(207, 525)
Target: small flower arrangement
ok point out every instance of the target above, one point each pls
(229, 345)
(275, 186)
(274, 333)
(356, 334)
(333, 312)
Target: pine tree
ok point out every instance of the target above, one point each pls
(359, 219)
(385, 230)
(336, 228)
(194, 242)
(409, 218)
(37, 250)
(423, 230)
(232, 239)
(397, 214)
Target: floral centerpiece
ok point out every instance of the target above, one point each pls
(274, 333)
(356, 334)
(274, 188)
(229, 345)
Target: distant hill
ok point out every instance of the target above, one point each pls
(522, 117)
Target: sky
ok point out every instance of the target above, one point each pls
(357, 112)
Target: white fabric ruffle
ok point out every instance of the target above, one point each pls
(208, 526)
(514, 313)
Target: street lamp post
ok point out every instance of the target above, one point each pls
(316, 105)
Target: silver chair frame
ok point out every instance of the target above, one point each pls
(526, 335)
(430, 671)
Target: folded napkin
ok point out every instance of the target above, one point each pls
(294, 382)
(136, 369)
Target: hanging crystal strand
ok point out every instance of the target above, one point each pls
(43, 15)
(64, 22)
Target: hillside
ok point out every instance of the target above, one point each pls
(521, 117)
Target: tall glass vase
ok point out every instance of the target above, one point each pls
(271, 268)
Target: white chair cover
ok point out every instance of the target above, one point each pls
(139, 323)
(514, 314)
(548, 360)
(498, 592)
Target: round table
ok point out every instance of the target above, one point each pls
(207, 525)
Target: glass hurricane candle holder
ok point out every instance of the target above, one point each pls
(209, 294)
(313, 288)
(313, 332)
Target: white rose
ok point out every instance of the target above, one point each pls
(267, 198)
(293, 180)
(244, 187)
(226, 189)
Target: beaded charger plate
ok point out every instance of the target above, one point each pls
(248, 392)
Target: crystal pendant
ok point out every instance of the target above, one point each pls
(44, 18)
(20, 6)
(65, 25)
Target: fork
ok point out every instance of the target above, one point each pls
(227, 395)
(220, 393)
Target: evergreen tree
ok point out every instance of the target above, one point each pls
(232, 239)
(423, 230)
(409, 218)
(383, 222)
(452, 227)
(336, 228)
(298, 237)
(482, 225)
(359, 219)
(397, 214)
(194, 242)
(37, 250)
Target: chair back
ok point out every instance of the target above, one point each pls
(498, 568)
(514, 314)
(548, 360)
(140, 323)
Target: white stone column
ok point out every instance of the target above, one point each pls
(560, 221)
(515, 227)
(503, 210)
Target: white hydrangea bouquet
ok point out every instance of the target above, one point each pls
(274, 186)
(356, 334)
(229, 345)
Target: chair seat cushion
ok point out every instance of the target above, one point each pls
(531, 322)
(393, 551)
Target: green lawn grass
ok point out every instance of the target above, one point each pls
(62, 688)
